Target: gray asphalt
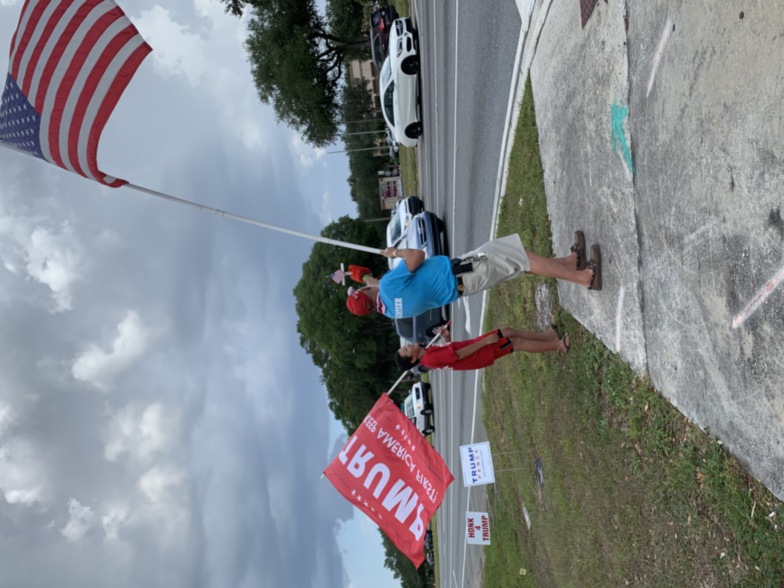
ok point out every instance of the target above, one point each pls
(689, 219)
(468, 65)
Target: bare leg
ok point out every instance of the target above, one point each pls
(538, 346)
(556, 268)
(570, 261)
(513, 333)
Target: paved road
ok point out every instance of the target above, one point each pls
(469, 53)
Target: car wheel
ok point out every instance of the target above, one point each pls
(414, 130)
(428, 431)
(427, 411)
(410, 65)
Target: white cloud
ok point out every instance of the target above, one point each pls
(139, 433)
(20, 478)
(167, 506)
(307, 155)
(177, 51)
(80, 522)
(6, 417)
(53, 260)
(115, 518)
(161, 483)
(50, 258)
(100, 368)
(207, 58)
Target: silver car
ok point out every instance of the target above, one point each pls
(426, 232)
(401, 219)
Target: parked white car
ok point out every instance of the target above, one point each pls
(398, 84)
(418, 406)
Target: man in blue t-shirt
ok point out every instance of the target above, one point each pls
(420, 284)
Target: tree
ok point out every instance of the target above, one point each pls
(355, 354)
(364, 165)
(297, 59)
(402, 569)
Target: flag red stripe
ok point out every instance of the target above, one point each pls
(32, 11)
(86, 92)
(107, 106)
(54, 60)
(63, 90)
(40, 43)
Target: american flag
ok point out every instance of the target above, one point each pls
(339, 277)
(69, 64)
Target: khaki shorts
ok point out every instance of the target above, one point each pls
(495, 262)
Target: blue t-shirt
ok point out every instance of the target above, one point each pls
(406, 294)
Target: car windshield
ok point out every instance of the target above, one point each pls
(385, 73)
(388, 87)
(377, 51)
(389, 103)
(394, 230)
(408, 409)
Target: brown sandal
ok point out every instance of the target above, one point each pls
(595, 264)
(579, 249)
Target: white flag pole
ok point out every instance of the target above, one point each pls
(223, 213)
(250, 221)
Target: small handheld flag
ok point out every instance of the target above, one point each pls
(69, 64)
(339, 277)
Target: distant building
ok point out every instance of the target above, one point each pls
(390, 190)
(365, 71)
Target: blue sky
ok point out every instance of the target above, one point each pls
(159, 423)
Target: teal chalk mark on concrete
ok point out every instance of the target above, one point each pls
(618, 115)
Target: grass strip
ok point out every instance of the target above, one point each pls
(633, 494)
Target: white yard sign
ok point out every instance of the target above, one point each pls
(477, 464)
(477, 528)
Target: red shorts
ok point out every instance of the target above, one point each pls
(502, 347)
(445, 357)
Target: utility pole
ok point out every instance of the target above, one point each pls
(364, 133)
(376, 148)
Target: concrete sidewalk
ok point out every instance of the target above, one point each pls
(660, 127)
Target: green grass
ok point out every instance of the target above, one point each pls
(633, 492)
(408, 171)
(401, 6)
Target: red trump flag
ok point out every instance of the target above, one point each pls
(70, 62)
(390, 472)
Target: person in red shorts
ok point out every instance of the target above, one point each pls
(480, 352)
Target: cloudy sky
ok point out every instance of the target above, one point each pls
(159, 423)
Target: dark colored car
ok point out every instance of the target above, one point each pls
(429, 550)
(426, 232)
(380, 27)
